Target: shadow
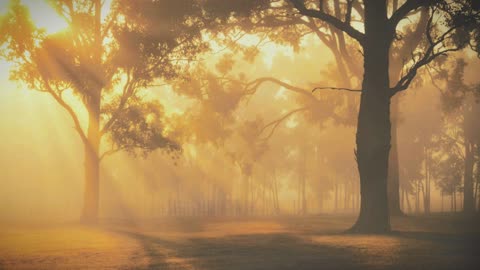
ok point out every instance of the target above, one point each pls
(398, 250)
(236, 252)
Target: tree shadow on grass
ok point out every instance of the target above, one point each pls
(399, 250)
(262, 251)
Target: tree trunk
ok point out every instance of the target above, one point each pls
(396, 70)
(393, 171)
(92, 164)
(336, 197)
(407, 199)
(92, 143)
(426, 195)
(374, 127)
(468, 201)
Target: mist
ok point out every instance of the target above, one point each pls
(289, 127)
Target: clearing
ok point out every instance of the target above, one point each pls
(312, 242)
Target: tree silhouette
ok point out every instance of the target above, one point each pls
(460, 105)
(374, 126)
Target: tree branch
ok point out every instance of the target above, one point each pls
(126, 94)
(277, 122)
(110, 152)
(332, 20)
(406, 8)
(253, 86)
(429, 55)
(337, 88)
(68, 108)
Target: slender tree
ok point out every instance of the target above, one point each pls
(460, 107)
(104, 61)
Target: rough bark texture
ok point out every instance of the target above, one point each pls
(373, 132)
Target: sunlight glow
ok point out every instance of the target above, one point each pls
(44, 16)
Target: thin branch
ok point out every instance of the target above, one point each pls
(348, 15)
(427, 57)
(110, 152)
(406, 8)
(253, 86)
(336, 88)
(276, 123)
(68, 108)
(126, 94)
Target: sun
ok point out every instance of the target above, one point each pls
(44, 16)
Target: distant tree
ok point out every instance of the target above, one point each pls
(461, 107)
(268, 19)
(105, 63)
(448, 172)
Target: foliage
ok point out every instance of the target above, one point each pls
(107, 63)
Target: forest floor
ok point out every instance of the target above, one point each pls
(313, 242)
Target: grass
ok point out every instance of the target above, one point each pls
(313, 242)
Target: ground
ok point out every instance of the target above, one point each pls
(313, 242)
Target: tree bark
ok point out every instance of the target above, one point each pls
(92, 163)
(374, 127)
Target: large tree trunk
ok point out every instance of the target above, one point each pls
(92, 164)
(92, 144)
(373, 131)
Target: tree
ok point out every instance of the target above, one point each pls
(93, 59)
(280, 22)
(374, 126)
(461, 107)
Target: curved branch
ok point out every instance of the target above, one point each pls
(406, 8)
(429, 55)
(332, 20)
(277, 122)
(70, 111)
(110, 152)
(126, 94)
(253, 86)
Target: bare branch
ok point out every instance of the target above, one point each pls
(110, 152)
(337, 88)
(332, 20)
(430, 54)
(253, 86)
(276, 123)
(126, 94)
(406, 8)
(68, 108)
(348, 15)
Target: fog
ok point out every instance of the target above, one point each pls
(208, 120)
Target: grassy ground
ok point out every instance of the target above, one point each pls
(314, 242)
